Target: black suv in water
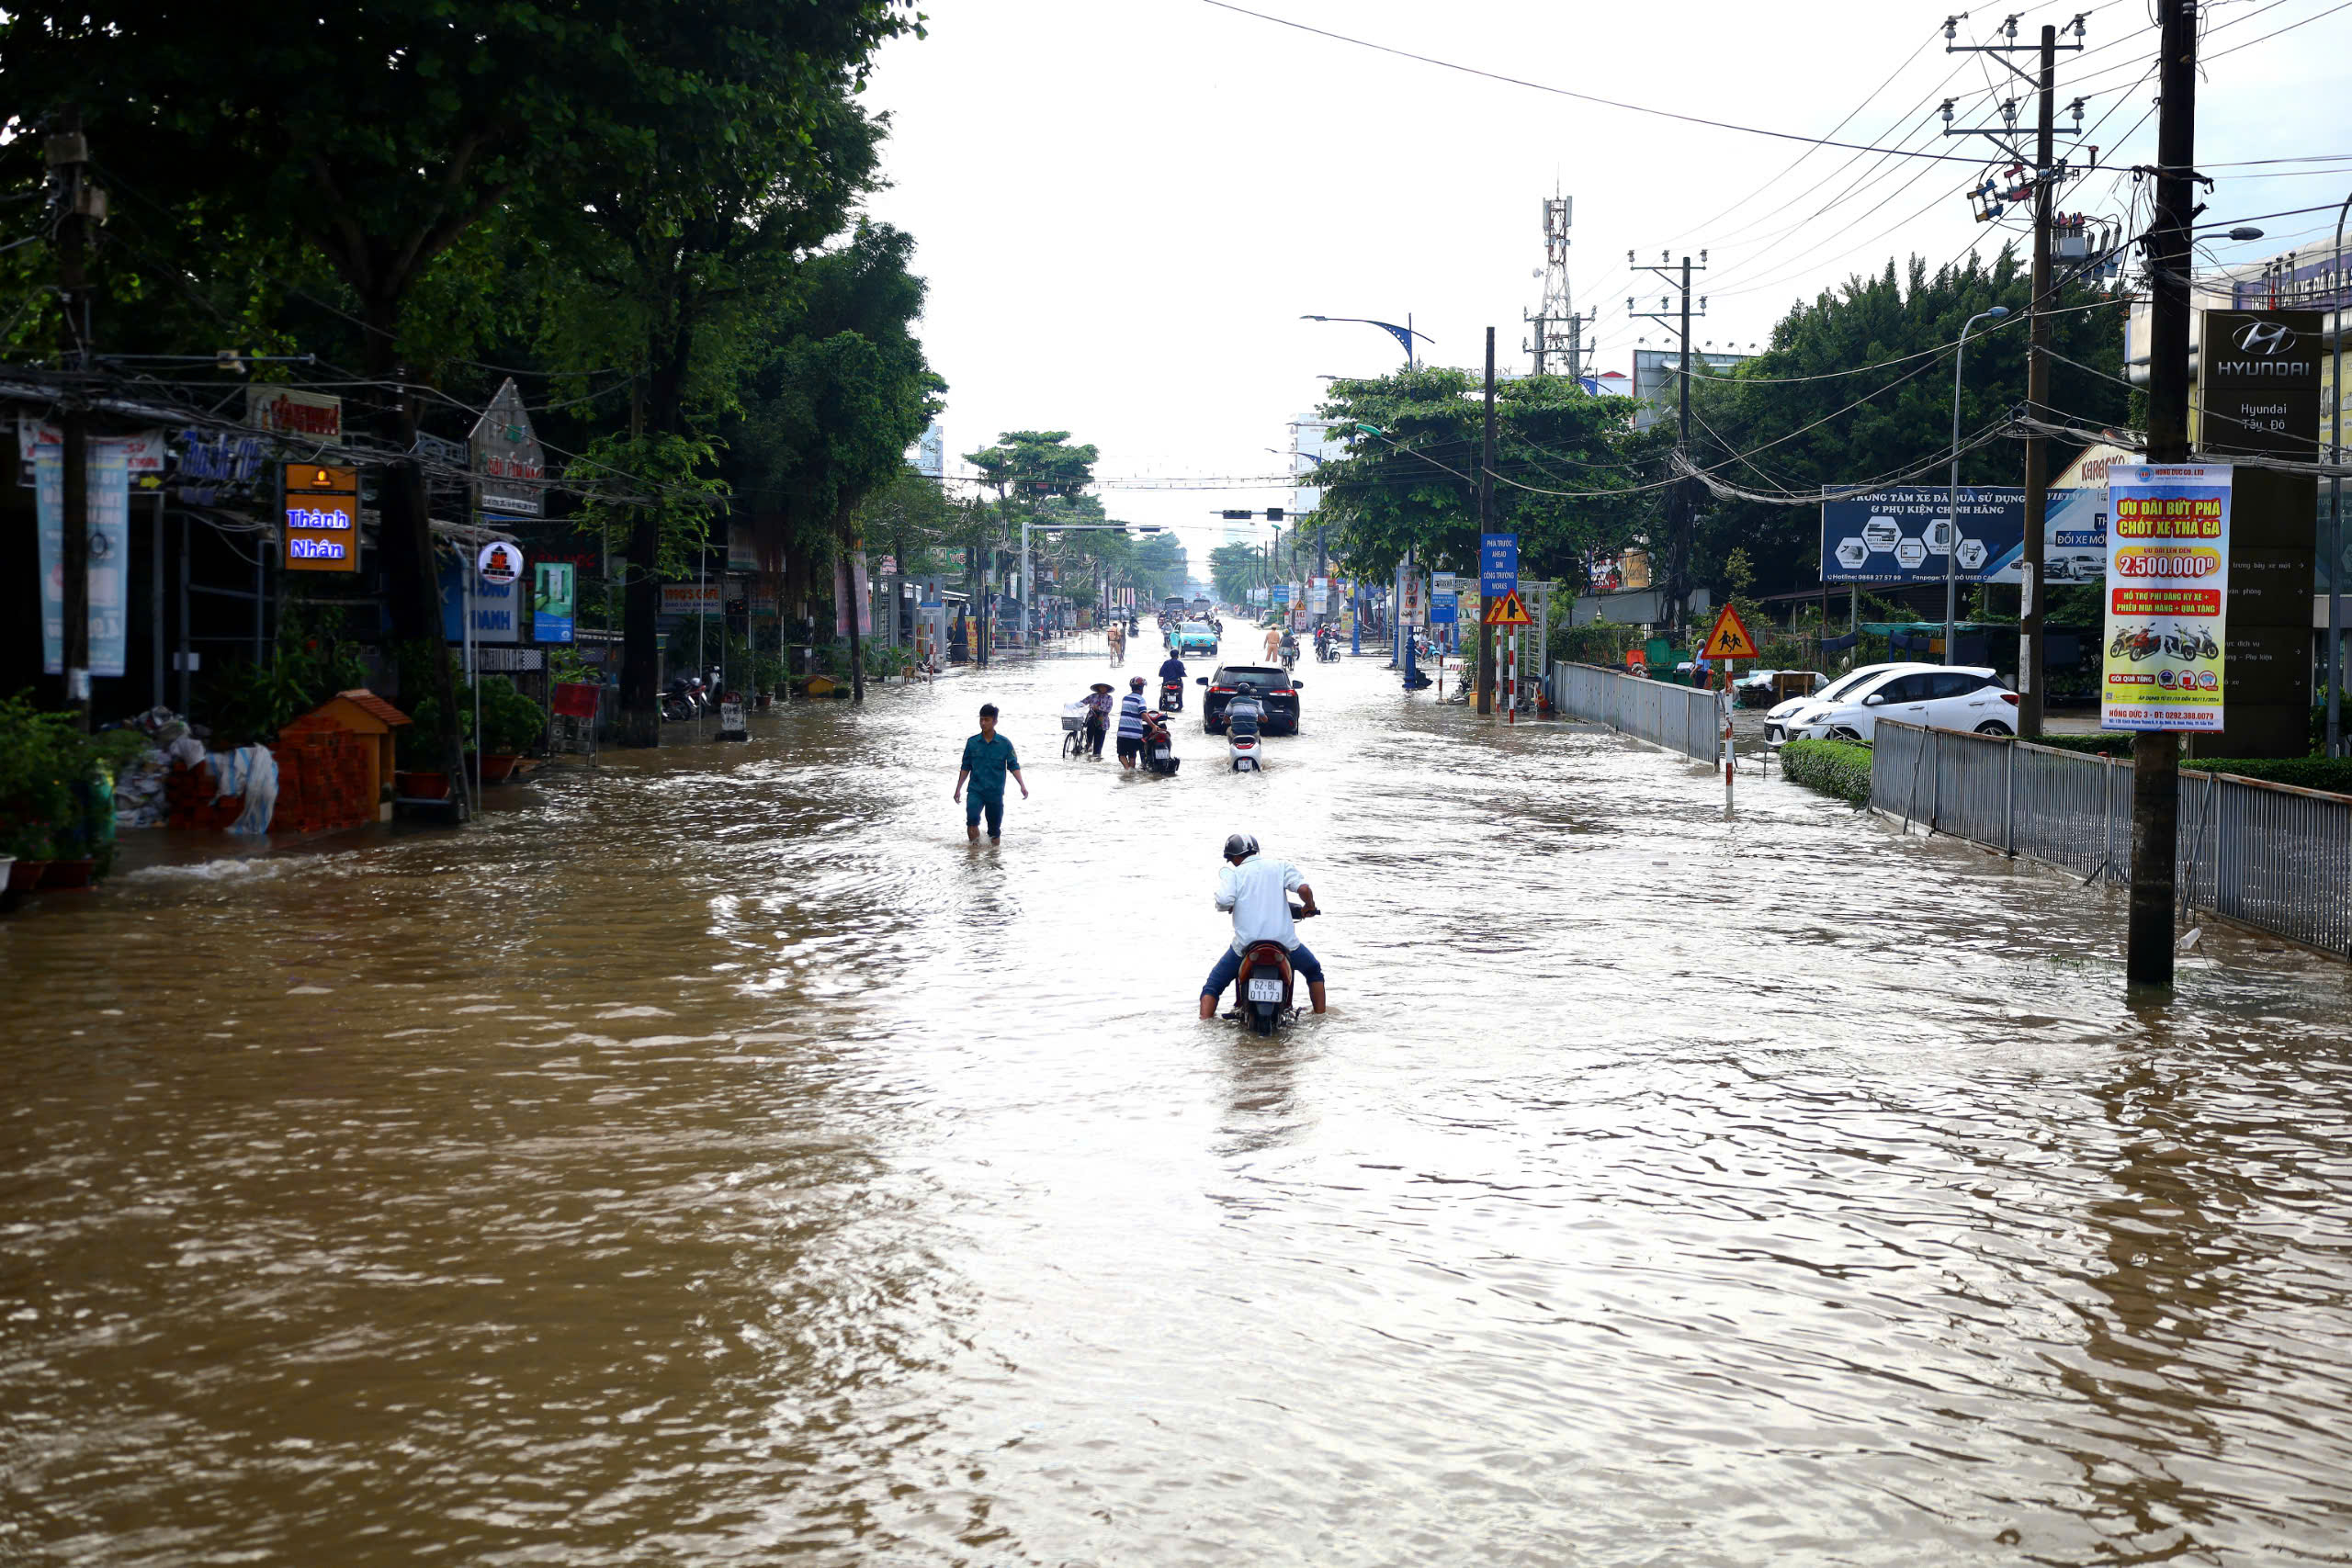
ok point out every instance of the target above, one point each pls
(1276, 693)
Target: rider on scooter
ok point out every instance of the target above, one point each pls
(1171, 668)
(1258, 893)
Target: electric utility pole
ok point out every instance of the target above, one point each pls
(1487, 525)
(2048, 175)
(1683, 501)
(78, 204)
(2155, 754)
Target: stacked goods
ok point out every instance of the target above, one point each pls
(192, 800)
(324, 781)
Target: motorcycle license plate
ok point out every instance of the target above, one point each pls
(1160, 751)
(1265, 990)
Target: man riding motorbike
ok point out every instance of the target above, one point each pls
(1258, 893)
(1172, 682)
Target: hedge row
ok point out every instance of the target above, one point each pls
(2331, 773)
(1841, 768)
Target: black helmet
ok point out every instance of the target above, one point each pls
(1240, 846)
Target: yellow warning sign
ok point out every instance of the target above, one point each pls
(1730, 638)
(1508, 611)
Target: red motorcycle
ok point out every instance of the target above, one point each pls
(1263, 985)
(1158, 749)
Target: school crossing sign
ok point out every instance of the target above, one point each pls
(1730, 640)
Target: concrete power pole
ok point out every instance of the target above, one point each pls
(79, 204)
(2049, 174)
(2155, 755)
(1683, 501)
(2037, 398)
(1487, 525)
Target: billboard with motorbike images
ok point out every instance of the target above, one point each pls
(2168, 596)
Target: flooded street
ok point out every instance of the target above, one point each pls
(714, 1158)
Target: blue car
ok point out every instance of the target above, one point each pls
(1193, 636)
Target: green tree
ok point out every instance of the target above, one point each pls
(842, 389)
(1804, 413)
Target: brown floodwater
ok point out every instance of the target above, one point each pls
(712, 1159)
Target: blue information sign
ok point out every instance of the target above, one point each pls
(1282, 593)
(1445, 609)
(1497, 565)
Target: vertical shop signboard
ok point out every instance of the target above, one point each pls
(2168, 596)
(322, 518)
(108, 470)
(551, 601)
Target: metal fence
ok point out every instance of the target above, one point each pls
(1676, 718)
(2266, 855)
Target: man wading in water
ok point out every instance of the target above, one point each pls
(987, 757)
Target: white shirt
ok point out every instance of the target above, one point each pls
(1258, 892)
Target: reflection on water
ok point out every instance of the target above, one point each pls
(713, 1157)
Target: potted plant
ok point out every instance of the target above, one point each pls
(38, 754)
(767, 675)
(511, 724)
(419, 774)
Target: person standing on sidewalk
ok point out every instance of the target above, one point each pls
(987, 757)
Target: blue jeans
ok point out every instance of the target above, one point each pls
(975, 803)
(1229, 967)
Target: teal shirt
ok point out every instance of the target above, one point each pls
(987, 761)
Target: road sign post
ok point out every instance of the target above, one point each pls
(1729, 640)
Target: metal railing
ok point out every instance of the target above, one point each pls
(1676, 718)
(2266, 855)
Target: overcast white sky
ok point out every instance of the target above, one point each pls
(1124, 206)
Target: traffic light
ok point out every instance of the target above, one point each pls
(1274, 514)
(1232, 516)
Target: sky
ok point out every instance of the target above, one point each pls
(1125, 207)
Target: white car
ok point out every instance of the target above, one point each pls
(1776, 721)
(1938, 695)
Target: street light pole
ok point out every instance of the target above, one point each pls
(1952, 505)
(2335, 509)
(1403, 643)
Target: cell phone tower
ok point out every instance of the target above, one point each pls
(1558, 342)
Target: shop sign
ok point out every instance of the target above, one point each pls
(2258, 382)
(510, 468)
(284, 411)
(551, 601)
(212, 464)
(142, 454)
(107, 475)
(690, 598)
(499, 563)
(2168, 596)
(494, 617)
(320, 518)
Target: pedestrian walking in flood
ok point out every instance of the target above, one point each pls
(987, 757)
(1118, 637)
(1131, 708)
(1098, 717)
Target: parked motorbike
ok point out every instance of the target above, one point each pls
(1172, 696)
(1158, 749)
(684, 699)
(1263, 988)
